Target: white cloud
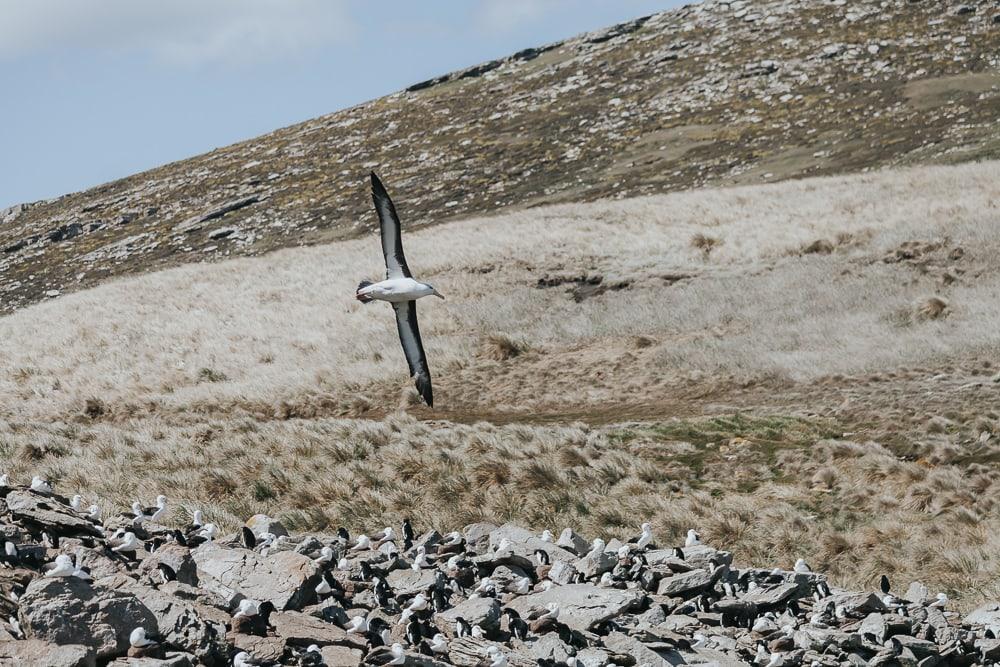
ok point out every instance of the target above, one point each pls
(187, 32)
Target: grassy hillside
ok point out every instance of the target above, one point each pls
(711, 93)
(802, 368)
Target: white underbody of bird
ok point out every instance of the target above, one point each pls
(396, 290)
(400, 289)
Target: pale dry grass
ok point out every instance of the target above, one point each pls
(215, 384)
(255, 332)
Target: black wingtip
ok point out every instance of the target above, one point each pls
(424, 389)
(377, 184)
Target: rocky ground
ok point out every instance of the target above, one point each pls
(711, 93)
(127, 591)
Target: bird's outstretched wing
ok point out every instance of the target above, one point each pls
(392, 242)
(409, 336)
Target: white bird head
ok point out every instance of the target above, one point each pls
(76, 501)
(198, 519)
(4, 480)
(547, 535)
(208, 531)
(137, 508)
(623, 552)
(343, 564)
(647, 527)
(161, 501)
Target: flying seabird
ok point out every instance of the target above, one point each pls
(400, 289)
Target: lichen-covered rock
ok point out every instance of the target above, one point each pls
(47, 512)
(581, 606)
(183, 625)
(285, 578)
(33, 652)
(72, 611)
(484, 612)
(177, 558)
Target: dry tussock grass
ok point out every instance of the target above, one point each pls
(769, 488)
(214, 384)
(240, 335)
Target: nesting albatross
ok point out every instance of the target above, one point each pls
(400, 289)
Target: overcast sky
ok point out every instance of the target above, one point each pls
(93, 90)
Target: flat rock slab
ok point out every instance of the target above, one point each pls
(684, 583)
(410, 582)
(71, 611)
(172, 659)
(772, 595)
(286, 578)
(699, 555)
(581, 606)
(469, 652)
(177, 558)
(988, 614)
(46, 511)
(301, 629)
(525, 543)
(343, 656)
(37, 652)
(707, 656)
(854, 604)
(622, 643)
(484, 612)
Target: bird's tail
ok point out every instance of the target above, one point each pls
(364, 298)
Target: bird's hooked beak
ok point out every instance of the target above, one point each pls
(437, 294)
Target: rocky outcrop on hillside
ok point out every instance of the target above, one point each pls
(712, 93)
(80, 591)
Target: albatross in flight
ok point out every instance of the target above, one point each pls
(400, 289)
